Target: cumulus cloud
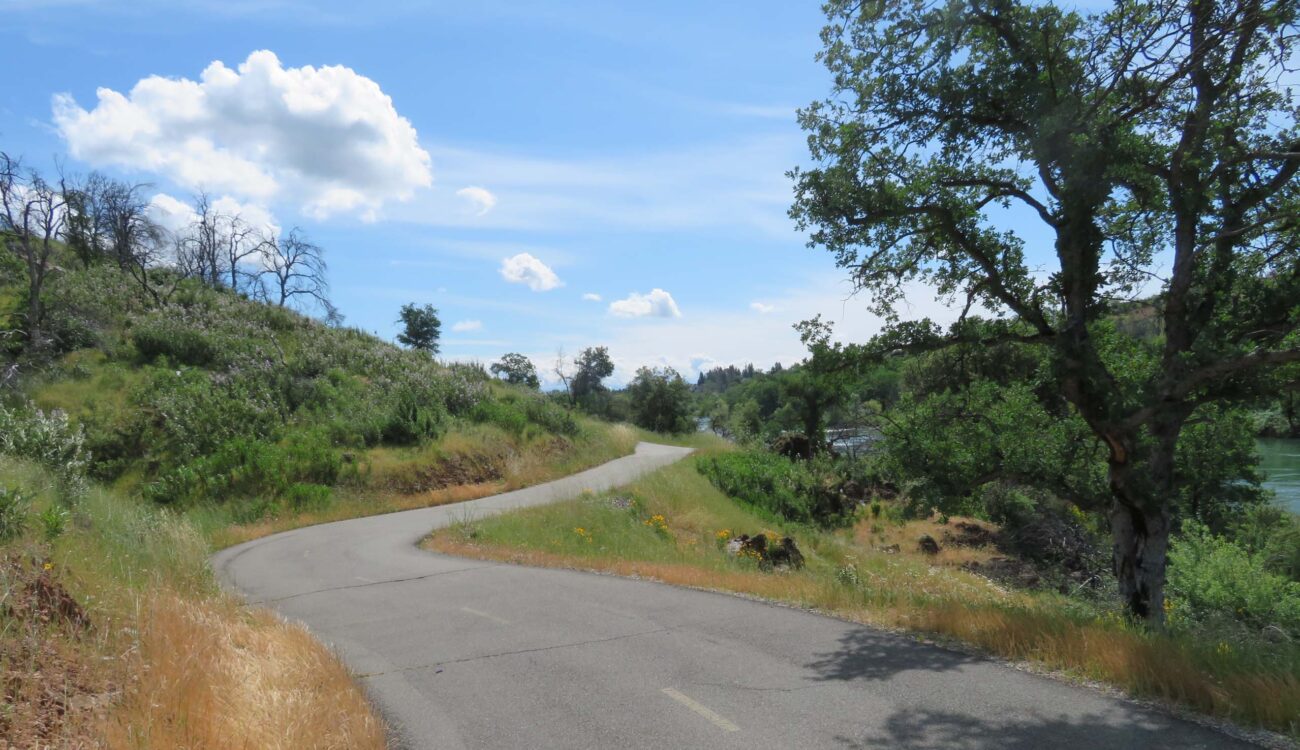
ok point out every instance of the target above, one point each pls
(526, 269)
(326, 138)
(176, 215)
(762, 307)
(591, 297)
(467, 325)
(656, 304)
(480, 198)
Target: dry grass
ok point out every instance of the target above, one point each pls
(114, 635)
(212, 674)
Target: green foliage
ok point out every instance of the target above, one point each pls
(587, 387)
(1273, 534)
(246, 467)
(420, 327)
(13, 512)
(660, 401)
(1216, 467)
(517, 413)
(53, 521)
(516, 369)
(1212, 578)
(945, 446)
(49, 441)
(806, 492)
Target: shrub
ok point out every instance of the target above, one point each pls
(1212, 578)
(803, 492)
(48, 440)
(53, 520)
(13, 513)
(160, 337)
(246, 467)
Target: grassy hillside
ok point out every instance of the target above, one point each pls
(246, 412)
(147, 435)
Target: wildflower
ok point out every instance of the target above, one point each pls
(724, 535)
(1223, 649)
(48, 566)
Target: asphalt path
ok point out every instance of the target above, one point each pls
(469, 654)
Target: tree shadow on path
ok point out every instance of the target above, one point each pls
(1124, 729)
(866, 654)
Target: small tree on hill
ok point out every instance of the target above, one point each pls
(587, 386)
(296, 269)
(661, 400)
(420, 327)
(516, 369)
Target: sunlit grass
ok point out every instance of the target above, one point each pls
(850, 574)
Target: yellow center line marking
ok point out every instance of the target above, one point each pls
(493, 618)
(701, 709)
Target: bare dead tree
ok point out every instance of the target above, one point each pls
(32, 215)
(85, 228)
(216, 247)
(296, 267)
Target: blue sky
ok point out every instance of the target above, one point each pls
(634, 152)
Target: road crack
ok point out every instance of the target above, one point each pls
(372, 583)
(555, 647)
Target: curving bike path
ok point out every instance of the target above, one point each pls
(470, 654)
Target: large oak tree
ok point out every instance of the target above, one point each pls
(1155, 146)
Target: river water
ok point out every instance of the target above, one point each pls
(1279, 459)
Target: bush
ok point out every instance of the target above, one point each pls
(13, 513)
(802, 492)
(1212, 578)
(48, 440)
(514, 413)
(245, 467)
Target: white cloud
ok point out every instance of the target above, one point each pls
(591, 297)
(467, 325)
(328, 138)
(176, 215)
(480, 198)
(526, 269)
(657, 304)
(721, 337)
(762, 307)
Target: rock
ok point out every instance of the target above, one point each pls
(793, 445)
(967, 534)
(786, 555)
(928, 545)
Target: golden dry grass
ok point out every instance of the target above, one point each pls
(213, 674)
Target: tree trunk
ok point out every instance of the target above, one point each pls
(1141, 541)
(1143, 485)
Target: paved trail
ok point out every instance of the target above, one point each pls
(468, 654)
